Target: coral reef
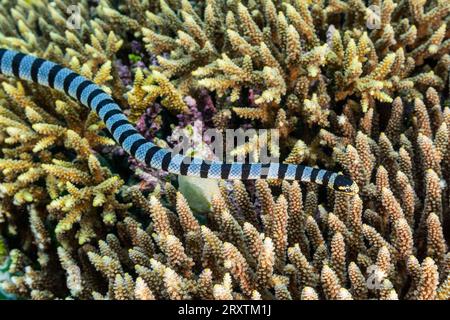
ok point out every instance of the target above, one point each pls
(287, 247)
(81, 220)
(285, 63)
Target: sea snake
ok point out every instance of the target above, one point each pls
(50, 74)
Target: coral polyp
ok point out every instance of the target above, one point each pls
(360, 88)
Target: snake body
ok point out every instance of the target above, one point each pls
(50, 74)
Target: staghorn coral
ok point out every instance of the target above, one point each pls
(293, 58)
(36, 173)
(170, 256)
(369, 102)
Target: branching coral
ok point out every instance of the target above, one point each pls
(173, 257)
(288, 52)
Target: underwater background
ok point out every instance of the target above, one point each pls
(359, 87)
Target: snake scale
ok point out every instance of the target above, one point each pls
(50, 74)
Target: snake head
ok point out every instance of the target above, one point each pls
(345, 184)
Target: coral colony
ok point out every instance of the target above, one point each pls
(357, 87)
